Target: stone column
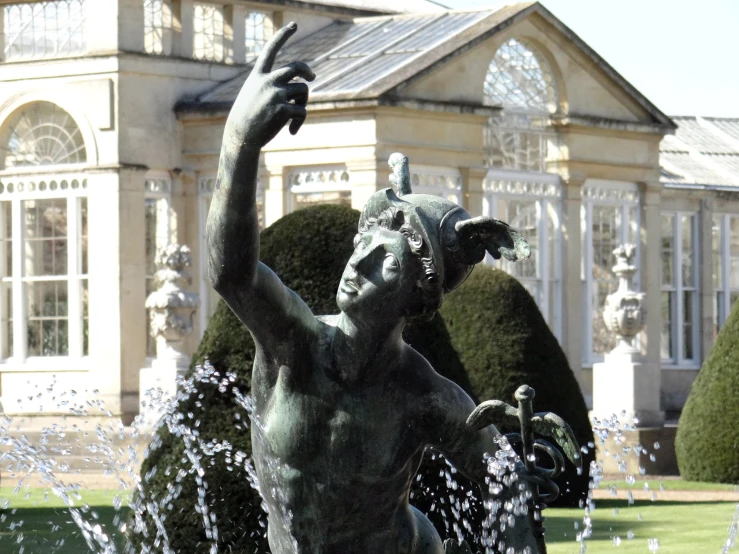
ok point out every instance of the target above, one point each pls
(236, 17)
(472, 193)
(707, 292)
(104, 20)
(367, 177)
(275, 195)
(183, 33)
(651, 247)
(2, 54)
(572, 289)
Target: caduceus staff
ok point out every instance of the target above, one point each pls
(545, 490)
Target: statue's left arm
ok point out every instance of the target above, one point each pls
(465, 449)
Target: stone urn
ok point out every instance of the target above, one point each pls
(625, 310)
(171, 309)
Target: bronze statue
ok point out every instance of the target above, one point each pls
(344, 409)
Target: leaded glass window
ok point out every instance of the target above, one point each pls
(41, 134)
(520, 80)
(44, 262)
(158, 26)
(44, 29)
(259, 29)
(210, 27)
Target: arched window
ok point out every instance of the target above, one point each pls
(41, 134)
(519, 80)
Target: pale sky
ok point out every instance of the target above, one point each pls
(683, 55)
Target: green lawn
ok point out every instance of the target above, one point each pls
(669, 485)
(682, 528)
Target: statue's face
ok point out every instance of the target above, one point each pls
(379, 279)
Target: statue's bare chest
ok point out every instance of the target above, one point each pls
(309, 423)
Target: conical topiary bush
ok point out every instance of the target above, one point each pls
(308, 249)
(504, 342)
(707, 441)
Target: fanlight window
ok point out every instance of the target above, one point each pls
(42, 134)
(519, 80)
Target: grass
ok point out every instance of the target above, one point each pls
(681, 527)
(669, 485)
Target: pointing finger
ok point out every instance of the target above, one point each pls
(291, 70)
(267, 57)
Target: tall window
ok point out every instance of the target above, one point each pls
(44, 29)
(40, 135)
(44, 258)
(534, 210)
(44, 305)
(328, 185)
(158, 26)
(519, 80)
(679, 278)
(210, 28)
(725, 266)
(610, 217)
(259, 29)
(208, 296)
(157, 235)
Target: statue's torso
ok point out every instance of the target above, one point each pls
(334, 460)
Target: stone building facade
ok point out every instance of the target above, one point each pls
(111, 117)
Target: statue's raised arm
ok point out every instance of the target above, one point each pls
(267, 101)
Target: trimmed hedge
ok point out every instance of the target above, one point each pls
(504, 342)
(706, 444)
(308, 249)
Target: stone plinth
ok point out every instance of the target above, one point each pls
(620, 454)
(625, 382)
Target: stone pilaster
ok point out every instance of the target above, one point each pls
(183, 39)
(236, 17)
(705, 279)
(104, 20)
(367, 177)
(649, 267)
(130, 24)
(572, 300)
(472, 192)
(275, 195)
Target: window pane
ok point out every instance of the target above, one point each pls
(666, 347)
(718, 281)
(45, 244)
(48, 334)
(6, 320)
(668, 250)
(522, 215)
(6, 240)
(688, 346)
(209, 25)
(157, 27)
(686, 258)
(85, 318)
(304, 200)
(84, 255)
(734, 252)
(44, 29)
(259, 29)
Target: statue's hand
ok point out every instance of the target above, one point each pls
(269, 99)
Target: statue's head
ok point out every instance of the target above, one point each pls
(411, 249)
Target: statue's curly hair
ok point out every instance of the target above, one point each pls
(429, 286)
